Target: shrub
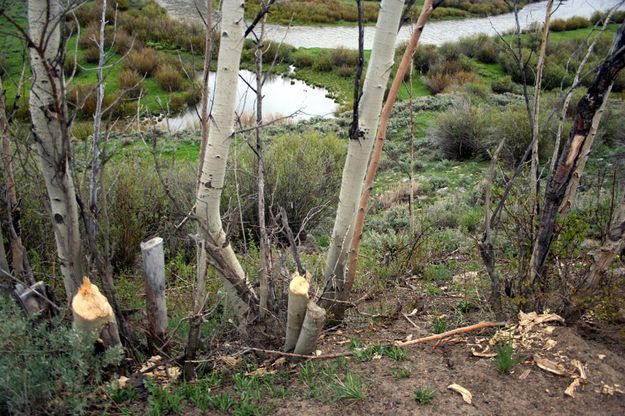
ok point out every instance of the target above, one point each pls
(425, 57)
(303, 58)
(599, 17)
(145, 61)
(344, 57)
(487, 52)
(131, 82)
(440, 82)
(346, 71)
(513, 125)
(168, 78)
(70, 65)
(289, 160)
(459, 131)
(280, 52)
(91, 55)
(502, 85)
(47, 368)
(323, 63)
(558, 25)
(124, 42)
(193, 95)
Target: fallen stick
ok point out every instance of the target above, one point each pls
(400, 344)
(447, 334)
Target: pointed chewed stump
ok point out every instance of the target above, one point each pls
(93, 313)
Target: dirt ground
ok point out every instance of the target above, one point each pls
(541, 393)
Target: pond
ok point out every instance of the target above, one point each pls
(282, 97)
(435, 32)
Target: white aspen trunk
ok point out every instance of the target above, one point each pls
(298, 302)
(358, 151)
(93, 313)
(311, 328)
(49, 116)
(216, 156)
(571, 190)
(156, 306)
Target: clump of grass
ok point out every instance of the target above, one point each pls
(394, 353)
(169, 79)
(506, 358)
(91, 55)
(439, 324)
(144, 61)
(130, 81)
(403, 372)
(424, 395)
(350, 387)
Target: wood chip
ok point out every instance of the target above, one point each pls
(580, 367)
(525, 374)
(484, 353)
(601, 356)
(549, 366)
(570, 390)
(466, 394)
(550, 344)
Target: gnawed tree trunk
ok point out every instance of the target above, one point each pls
(311, 329)
(298, 303)
(156, 306)
(50, 129)
(242, 299)
(571, 190)
(93, 314)
(426, 11)
(569, 160)
(359, 148)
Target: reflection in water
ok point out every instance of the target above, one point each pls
(435, 33)
(282, 97)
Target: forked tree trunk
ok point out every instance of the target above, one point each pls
(359, 148)
(426, 11)
(50, 129)
(569, 160)
(242, 298)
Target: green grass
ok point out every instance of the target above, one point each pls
(439, 324)
(424, 395)
(506, 358)
(402, 373)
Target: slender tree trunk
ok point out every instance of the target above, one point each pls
(359, 148)
(50, 129)
(535, 163)
(559, 181)
(242, 298)
(426, 12)
(199, 296)
(19, 257)
(266, 290)
(486, 246)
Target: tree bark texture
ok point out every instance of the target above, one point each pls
(240, 295)
(359, 148)
(571, 155)
(50, 129)
(156, 305)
